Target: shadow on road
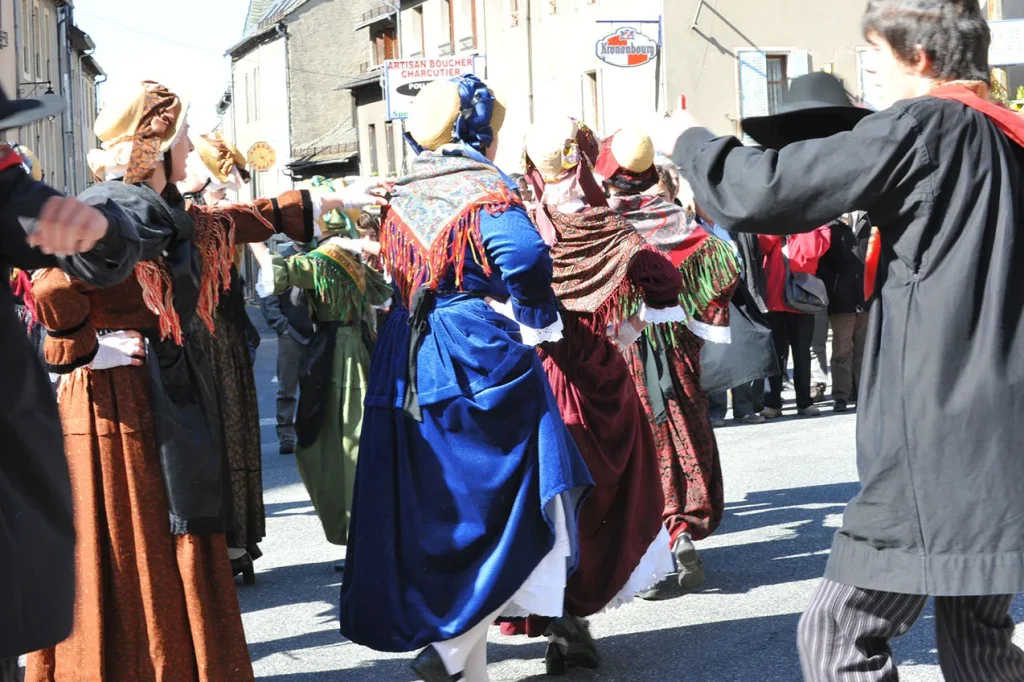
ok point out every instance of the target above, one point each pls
(794, 537)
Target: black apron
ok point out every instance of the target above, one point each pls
(315, 383)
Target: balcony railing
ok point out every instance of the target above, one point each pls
(468, 43)
(379, 11)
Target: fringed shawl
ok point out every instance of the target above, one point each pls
(592, 257)
(708, 265)
(333, 270)
(434, 216)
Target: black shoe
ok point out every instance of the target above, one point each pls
(287, 449)
(340, 566)
(243, 566)
(661, 591)
(554, 660)
(430, 668)
(840, 406)
(580, 650)
(691, 566)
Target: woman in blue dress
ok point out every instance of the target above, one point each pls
(468, 483)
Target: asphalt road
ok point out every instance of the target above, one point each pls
(786, 485)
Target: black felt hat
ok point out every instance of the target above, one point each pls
(15, 113)
(815, 106)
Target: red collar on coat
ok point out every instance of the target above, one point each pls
(1007, 120)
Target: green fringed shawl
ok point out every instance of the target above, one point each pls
(334, 272)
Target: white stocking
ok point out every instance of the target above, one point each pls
(467, 653)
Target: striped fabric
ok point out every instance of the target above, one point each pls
(844, 635)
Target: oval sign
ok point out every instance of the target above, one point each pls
(627, 47)
(412, 89)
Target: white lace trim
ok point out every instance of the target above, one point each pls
(652, 569)
(543, 593)
(549, 334)
(662, 315)
(318, 210)
(709, 332)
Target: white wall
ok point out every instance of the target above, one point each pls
(262, 116)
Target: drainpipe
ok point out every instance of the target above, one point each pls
(68, 117)
(529, 55)
(16, 44)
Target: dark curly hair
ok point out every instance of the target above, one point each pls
(952, 33)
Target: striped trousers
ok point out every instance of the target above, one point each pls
(9, 671)
(844, 635)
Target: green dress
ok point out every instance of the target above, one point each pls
(343, 291)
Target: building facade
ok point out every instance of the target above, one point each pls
(547, 57)
(43, 52)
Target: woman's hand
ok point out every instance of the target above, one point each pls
(120, 349)
(67, 226)
(360, 194)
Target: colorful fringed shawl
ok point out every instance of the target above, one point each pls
(709, 266)
(435, 215)
(592, 256)
(334, 269)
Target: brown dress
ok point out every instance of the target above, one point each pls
(150, 606)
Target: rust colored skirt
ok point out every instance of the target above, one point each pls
(228, 354)
(150, 606)
(691, 471)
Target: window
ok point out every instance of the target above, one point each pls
(247, 109)
(372, 132)
(384, 46)
(417, 35)
(591, 101)
(777, 83)
(37, 41)
(469, 36)
(447, 27)
(389, 143)
(26, 38)
(256, 94)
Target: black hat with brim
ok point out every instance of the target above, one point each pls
(815, 106)
(15, 113)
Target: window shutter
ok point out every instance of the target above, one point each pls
(798, 64)
(753, 85)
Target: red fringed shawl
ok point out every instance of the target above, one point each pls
(592, 256)
(215, 239)
(434, 217)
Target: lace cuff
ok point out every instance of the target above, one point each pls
(709, 332)
(549, 334)
(318, 210)
(627, 334)
(662, 315)
(265, 284)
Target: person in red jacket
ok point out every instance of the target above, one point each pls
(791, 330)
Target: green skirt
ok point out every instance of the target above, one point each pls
(328, 466)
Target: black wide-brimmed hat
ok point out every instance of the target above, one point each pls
(815, 106)
(15, 113)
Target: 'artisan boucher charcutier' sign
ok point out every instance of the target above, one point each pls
(627, 47)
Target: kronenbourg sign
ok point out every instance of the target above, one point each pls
(627, 47)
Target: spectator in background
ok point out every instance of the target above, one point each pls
(288, 315)
(819, 358)
(791, 330)
(842, 270)
(525, 193)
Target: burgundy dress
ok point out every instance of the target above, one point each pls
(597, 273)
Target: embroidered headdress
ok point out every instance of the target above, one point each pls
(137, 132)
(434, 214)
(559, 157)
(217, 163)
(626, 162)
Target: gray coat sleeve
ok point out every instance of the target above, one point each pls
(806, 184)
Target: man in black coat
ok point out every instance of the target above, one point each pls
(939, 445)
(842, 271)
(40, 228)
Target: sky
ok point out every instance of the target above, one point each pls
(180, 43)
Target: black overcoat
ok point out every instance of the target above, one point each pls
(37, 538)
(940, 448)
